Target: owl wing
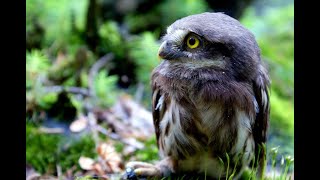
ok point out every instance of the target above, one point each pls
(158, 109)
(261, 92)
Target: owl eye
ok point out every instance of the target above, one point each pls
(192, 41)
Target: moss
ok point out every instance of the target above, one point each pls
(41, 149)
(150, 152)
(72, 151)
(45, 151)
(105, 89)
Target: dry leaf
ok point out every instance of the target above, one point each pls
(133, 142)
(128, 118)
(86, 163)
(135, 116)
(106, 151)
(111, 157)
(98, 169)
(79, 124)
(128, 150)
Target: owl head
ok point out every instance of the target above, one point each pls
(210, 42)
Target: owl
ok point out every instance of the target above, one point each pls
(210, 101)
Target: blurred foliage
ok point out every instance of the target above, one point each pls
(45, 151)
(173, 10)
(56, 17)
(143, 49)
(275, 35)
(111, 39)
(164, 14)
(37, 66)
(105, 89)
(71, 151)
(41, 149)
(150, 152)
(36, 63)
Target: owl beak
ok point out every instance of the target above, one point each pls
(168, 52)
(161, 51)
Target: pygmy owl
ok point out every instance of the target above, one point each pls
(210, 100)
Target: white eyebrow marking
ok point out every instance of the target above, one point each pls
(177, 36)
(169, 30)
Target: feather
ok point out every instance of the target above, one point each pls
(261, 124)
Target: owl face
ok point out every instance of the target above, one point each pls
(222, 46)
(189, 47)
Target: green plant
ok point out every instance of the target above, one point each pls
(288, 164)
(105, 89)
(86, 178)
(150, 152)
(37, 66)
(111, 39)
(282, 170)
(41, 149)
(71, 151)
(57, 18)
(36, 63)
(144, 50)
(274, 153)
(45, 151)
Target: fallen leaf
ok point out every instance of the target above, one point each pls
(133, 142)
(106, 151)
(31, 173)
(128, 150)
(111, 157)
(79, 124)
(98, 169)
(86, 163)
(137, 120)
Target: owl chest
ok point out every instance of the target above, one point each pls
(197, 144)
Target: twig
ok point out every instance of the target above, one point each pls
(139, 92)
(73, 90)
(105, 132)
(117, 137)
(59, 171)
(92, 124)
(78, 90)
(95, 68)
(51, 130)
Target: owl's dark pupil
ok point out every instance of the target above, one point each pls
(192, 41)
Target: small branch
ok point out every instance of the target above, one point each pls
(117, 137)
(78, 90)
(73, 90)
(92, 124)
(139, 92)
(95, 68)
(113, 136)
(51, 130)
(59, 171)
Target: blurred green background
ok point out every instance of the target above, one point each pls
(65, 38)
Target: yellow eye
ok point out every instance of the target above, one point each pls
(193, 42)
